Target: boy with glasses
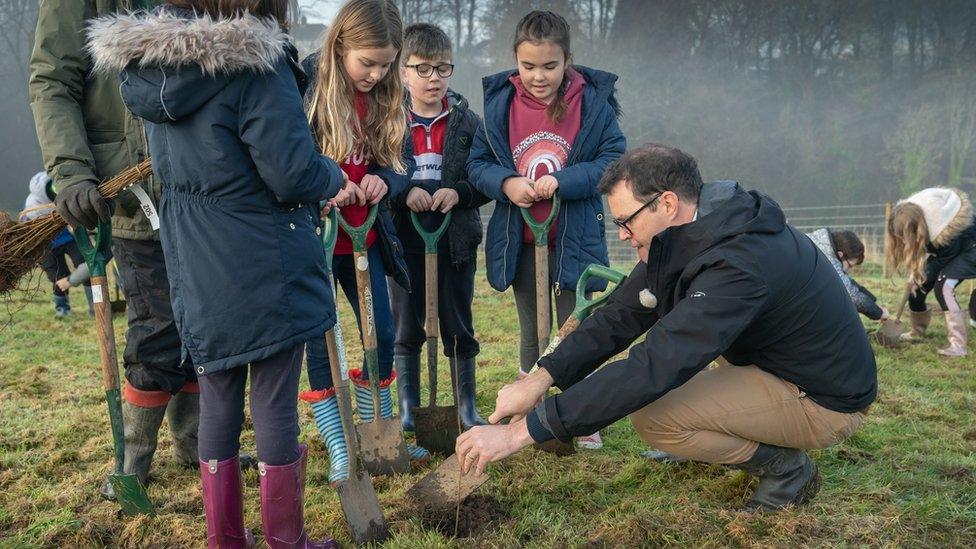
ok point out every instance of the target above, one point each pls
(441, 127)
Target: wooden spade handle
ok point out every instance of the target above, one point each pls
(337, 356)
(543, 314)
(904, 300)
(110, 365)
(367, 323)
(105, 332)
(430, 321)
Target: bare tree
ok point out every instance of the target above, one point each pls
(17, 19)
(914, 149)
(960, 131)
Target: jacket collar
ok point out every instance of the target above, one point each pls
(499, 91)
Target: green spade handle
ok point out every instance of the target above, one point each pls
(541, 228)
(358, 234)
(585, 306)
(98, 254)
(430, 238)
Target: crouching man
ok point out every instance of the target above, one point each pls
(721, 277)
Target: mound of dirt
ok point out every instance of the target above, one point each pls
(478, 514)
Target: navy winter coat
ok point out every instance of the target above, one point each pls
(241, 179)
(581, 238)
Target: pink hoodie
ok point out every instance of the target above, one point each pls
(539, 145)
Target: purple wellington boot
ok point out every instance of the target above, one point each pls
(223, 502)
(283, 507)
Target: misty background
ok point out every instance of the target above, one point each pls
(820, 103)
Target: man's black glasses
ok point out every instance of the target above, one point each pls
(623, 224)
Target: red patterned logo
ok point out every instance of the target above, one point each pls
(541, 153)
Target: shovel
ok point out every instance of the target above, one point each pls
(446, 485)
(356, 495)
(582, 310)
(540, 231)
(436, 426)
(543, 320)
(891, 330)
(129, 492)
(383, 450)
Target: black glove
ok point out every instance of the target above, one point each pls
(81, 205)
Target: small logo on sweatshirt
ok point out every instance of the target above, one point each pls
(698, 294)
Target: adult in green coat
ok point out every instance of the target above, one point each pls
(86, 135)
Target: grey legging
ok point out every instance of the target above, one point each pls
(524, 288)
(274, 409)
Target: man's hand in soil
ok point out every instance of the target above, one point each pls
(515, 400)
(479, 446)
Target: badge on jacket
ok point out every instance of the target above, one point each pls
(647, 299)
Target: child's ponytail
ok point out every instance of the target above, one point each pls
(546, 26)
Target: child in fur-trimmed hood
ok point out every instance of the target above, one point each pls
(933, 238)
(217, 85)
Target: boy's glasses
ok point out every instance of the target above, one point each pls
(424, 70)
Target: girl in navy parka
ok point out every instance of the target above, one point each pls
(549, 128)
(242, 180)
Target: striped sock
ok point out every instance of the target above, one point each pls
(326, 413)
(364, 401)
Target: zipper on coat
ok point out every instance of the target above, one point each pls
(562, 253)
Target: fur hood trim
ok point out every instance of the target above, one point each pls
(947, 212)
(169, 38)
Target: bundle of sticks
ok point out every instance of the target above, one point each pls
(22, 245)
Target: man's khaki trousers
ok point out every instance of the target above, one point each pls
(722, 414)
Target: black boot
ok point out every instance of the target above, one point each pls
(661, 456)
(141, 428)
(408, 388)
(787, 476)
(466, 391)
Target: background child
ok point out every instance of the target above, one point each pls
(442, 128)
(933, 237)
(40, 202)
(355, 106)
(239, 166)
(549, 126)
(845, 250)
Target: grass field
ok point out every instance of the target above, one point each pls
(906, 479)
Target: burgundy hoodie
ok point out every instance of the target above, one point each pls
(539, 145)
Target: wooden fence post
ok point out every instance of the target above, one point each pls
(884, 251)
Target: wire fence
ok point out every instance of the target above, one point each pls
(865, 220)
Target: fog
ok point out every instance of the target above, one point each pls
(825, 102)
